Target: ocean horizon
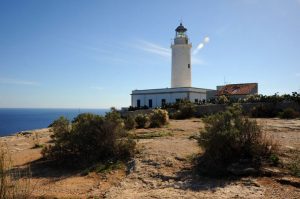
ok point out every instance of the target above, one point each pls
(14, 120)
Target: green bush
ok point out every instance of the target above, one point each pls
(222, 100)
(88, 139)
(288, 113)
(263, 111)
(141, 120)
(229, 137)
(129, 123)
(294, 166)
(158, 118)
(184, 110)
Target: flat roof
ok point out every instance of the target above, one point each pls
(171, 90)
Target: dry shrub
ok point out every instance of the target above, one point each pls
(129, 123)
(141, 120)
(89, 139)
(288, 113)
(158, 118)
(229, 137)
(14, 183)
(184, 110)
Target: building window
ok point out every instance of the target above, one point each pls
(189, 65)
(163, 102)
(196, 101)
(138, 103)
(177, 100)
(150, 103)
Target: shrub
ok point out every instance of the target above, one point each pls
(222, 100)
(185, 109)
(141, 120)
(88, 139)
(294, 166)
(288, 113)
(129, 123)
(263, 111)
(229, 137)
(115, 117)
(159, 118)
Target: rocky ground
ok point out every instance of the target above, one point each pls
(162, 169)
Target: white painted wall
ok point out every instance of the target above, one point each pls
(170, 95)
(181, 59)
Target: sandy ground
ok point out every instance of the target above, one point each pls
(163, 168)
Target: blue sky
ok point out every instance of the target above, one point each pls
(92, 54)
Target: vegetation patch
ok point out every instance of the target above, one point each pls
(159, 118)
(104, 167)
(89, 139)
(233, 144)
(142, 120)
(288, 113)
(14, 183)
(150, 135)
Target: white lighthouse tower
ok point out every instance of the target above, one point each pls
(181, 59)
(181, 82)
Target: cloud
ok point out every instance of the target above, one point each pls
(201, 45)
(164, 52)
(154, 48)
(97, 88)
(17, 81)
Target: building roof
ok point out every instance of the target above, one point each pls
(180, 28)
(237, 89)
(170, 90)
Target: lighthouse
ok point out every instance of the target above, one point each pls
(181, 80)
(181, 59)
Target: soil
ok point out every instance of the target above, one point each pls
(162, 168)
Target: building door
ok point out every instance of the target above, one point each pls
(163, 102)
(150, 103)
(138, 103)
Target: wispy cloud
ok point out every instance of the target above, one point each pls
(17, 81)
(201, 45)
(97, 88)
(154, 48)
(163, 51)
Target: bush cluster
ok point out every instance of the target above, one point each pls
(89, 139)
(288, 113)
(229, 137)
(142, 120)
(158, 118)
(263, 111)
(184, 110)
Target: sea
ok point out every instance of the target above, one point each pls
(14, 120)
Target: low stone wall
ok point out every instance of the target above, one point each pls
(209, 109)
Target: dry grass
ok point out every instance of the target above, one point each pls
(14, 183)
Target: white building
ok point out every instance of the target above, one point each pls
(181, 81)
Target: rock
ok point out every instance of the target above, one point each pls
(241, 170)
(268, 171)
(180, 158)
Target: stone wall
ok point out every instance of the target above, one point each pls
(208, 109)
